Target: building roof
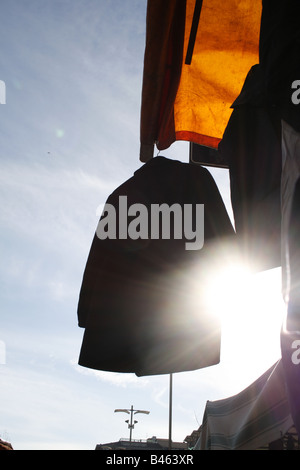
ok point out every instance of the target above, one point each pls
(152, 443)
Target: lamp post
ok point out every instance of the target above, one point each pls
(131, 423)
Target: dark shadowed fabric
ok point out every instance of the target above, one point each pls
(251, 146)
(290, 335)
(142, 302)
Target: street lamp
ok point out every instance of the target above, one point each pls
(131, 423)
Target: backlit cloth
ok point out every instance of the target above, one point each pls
(143, 302)
(190, 100)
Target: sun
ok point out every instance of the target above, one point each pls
(251, 309)
(229, 293)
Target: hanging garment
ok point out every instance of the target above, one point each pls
(280, 69)
(279, 45)
(280, 65)
(197, 54)
(251, 147)
(142, 300)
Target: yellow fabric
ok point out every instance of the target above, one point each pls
(225, 49)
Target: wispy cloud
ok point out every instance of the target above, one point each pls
(113, 378)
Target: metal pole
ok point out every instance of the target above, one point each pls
(170, 410)
(130, 426)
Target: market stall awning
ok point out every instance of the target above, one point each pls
(251, 419)
(197, 56)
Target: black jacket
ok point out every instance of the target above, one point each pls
(142, 302)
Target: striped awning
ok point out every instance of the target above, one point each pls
(258, 415)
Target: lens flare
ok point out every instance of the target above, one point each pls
(229, 292)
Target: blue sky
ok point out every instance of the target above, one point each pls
(69, 135)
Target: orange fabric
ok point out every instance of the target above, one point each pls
(192, 102)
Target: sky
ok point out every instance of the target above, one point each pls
(69, 135)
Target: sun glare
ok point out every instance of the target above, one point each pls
(229, 293)
(251, 309)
